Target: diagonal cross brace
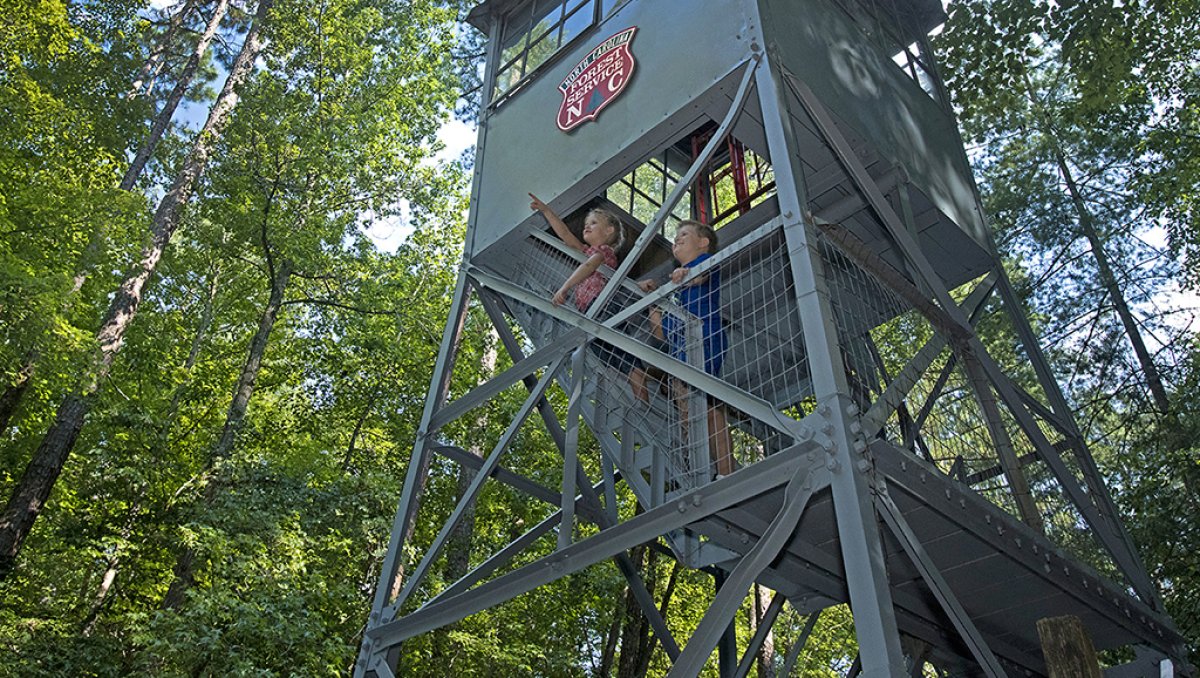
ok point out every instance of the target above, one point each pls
(799, 490)
(798, 646)
(937, 584)
(899, 388)
(760, 635)
(472, 491)
(697, 505)
(591, 501)
(681, 187)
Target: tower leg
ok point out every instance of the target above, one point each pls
(858, 530)
(414, 479)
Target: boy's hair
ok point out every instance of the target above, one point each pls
(702, 230)
(602, 214)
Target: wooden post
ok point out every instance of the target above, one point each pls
(1068, 648)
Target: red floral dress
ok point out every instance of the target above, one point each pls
(587, 291)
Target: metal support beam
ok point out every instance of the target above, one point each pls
(689, 508)
(501, 557)
(793, 653)
(720, 613)
(869, 261)
(497, 384)
(1017, 484)
(797, 647)
(937, 584)
(516, 481)
(879, 204)
(727, 642)
(1033, 351)
(591, 504)
(899, 388)
(571, 453)
(513, 346)
(477, 483)
(1106, 527)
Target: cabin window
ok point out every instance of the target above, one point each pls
(643, 191)
(884, 24)
(735, 180)
(535, 32)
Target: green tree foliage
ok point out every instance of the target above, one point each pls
(61, 153)
(1081, 120)
(334, 130)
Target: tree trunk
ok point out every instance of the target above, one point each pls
(1109, 280)
(158, 56)
(202, 328)
(11, 398)
(348, 458)
(182, 85)
(13, 394)
(766, 654)
(110, 573)
(33, 489)
(610, 642)
(637, 644)
(162, 439)
(235, 418)
(1068, 648)
(648, 651)
(634, 627)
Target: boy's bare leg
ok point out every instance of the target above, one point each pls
(720, 440)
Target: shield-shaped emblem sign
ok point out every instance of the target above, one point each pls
(596, 80)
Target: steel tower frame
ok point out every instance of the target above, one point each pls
(907, 532)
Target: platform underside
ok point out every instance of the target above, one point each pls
(969, 541)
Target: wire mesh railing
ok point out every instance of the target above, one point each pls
(950, 418)
(665, 424)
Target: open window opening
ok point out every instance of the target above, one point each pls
(733, 182)
(899, 28)
(912, 61)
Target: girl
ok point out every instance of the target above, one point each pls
(603, 235)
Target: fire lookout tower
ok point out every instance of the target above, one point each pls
(884, 455)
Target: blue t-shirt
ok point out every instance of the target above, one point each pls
(702, 300)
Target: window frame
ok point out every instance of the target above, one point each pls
(528, 43)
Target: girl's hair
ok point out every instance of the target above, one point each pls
(618, 239)
(702, 231)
